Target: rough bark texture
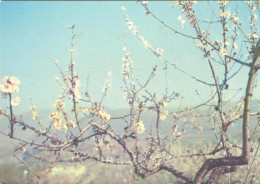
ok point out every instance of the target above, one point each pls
(215, 163)
(247, 110)
(178, 174)
(215, 175)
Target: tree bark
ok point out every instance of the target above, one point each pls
(216, 175)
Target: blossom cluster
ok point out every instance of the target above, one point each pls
(253, 17)
(10, 85)
(163, 115)
(223, 2)
(59, 104)
(187, 9)
(108, 83)
(74, 90)
(182, 21)
(34, 112)
(56, 118)
(157, 51)
(127, 66)
(139, 127)
(104, 115)
(100, 113)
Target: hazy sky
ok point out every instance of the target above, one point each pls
(34, 34)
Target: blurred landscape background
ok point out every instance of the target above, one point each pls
(192, 141)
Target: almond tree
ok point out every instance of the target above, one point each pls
(84, 130)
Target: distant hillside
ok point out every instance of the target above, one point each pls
(148, 118)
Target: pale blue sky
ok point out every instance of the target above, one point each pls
(34, 34)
